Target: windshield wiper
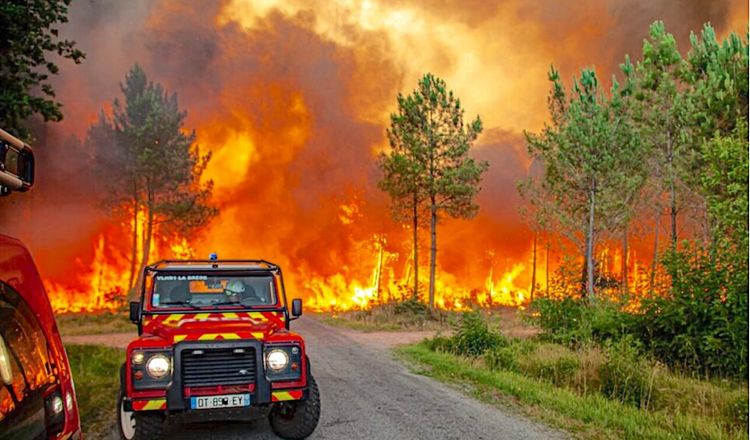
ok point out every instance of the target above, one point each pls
(180, 303)
(227, 303)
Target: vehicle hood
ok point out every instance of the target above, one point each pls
(214, 326)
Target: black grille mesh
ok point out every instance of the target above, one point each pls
(218, 367)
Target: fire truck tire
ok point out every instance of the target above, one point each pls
(148, 425)
(297, 420)
(134, 425)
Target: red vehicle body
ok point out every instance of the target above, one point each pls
(33, 351)
(206, 352)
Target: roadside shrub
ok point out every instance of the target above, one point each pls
(575, 322)
(560, 320)
(440, 343)
(503, 358)
(703, 326)
(554, 363)
(560, 371)
(736, 412)
(473, 336)
(413, 307)
(625, 375)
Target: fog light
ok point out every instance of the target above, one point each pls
(138, 357)
(56, 405)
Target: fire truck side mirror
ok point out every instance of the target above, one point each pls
(16, 164)
(296, 308)
(135, 312)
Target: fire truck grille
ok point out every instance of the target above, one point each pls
(225, 366)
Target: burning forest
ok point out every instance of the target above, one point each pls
(286, 110)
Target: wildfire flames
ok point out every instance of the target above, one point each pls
(292, 100)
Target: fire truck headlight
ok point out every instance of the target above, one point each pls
(277, 360)
(158, 366)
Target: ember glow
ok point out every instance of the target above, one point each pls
(292, 99)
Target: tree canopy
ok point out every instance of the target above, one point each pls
(29, 36)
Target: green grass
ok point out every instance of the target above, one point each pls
(587, 416)
(96, 372)
(73, 324)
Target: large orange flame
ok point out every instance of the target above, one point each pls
(292, 99)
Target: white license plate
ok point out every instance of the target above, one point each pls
(223, 401)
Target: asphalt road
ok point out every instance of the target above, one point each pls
(366, 394)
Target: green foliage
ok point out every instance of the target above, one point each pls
(673, 136)
(660, 116)
(551, 362)
(624, 375)
(560, 320)
(718, 79)
(559, 371)
(703, 326)
(29, 37)
(575, 322)
(725, 185)
(413, 307)
(503, 358)
(440, 343)
(544, 379)
(593, 166)
(473, 336)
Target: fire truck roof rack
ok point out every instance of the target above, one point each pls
(216, 264)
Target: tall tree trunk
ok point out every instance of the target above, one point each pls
(380, 270)
(655, 259)
(624, 266)
(414, 226)
(546, 269)
(533, 267)
(147, 235)
(134, 243)
(672, 190)
(433, 249)
(590, 247)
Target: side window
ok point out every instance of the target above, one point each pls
(26, 365)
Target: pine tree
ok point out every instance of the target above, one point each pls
(150, 165)
(430, 161)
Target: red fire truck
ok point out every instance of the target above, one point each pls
(213, 344)
(37, 396)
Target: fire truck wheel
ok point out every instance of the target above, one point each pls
(296, 420)
(148, 425)
(138, 425)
